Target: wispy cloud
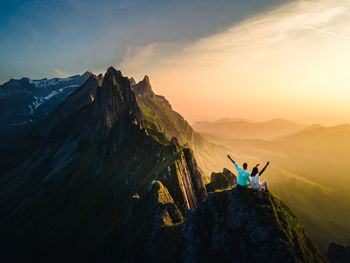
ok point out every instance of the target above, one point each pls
(329, 33)
(292, 55)
(60, 74)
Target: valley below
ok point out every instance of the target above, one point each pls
(308, 170)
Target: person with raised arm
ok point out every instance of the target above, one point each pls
(255, 178)
(243, 178)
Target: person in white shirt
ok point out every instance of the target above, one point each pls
(255, 178)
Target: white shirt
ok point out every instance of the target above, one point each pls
(256, 182)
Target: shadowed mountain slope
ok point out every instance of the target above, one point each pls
(25, 103)
(103, 183)
(160, 116)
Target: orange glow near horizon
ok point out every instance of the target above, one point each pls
(292, 62)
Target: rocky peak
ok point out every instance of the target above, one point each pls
(146, 81)
(115, 99)
(87, 74)
(103, 100)
(144, 88)
(112, 73)
(132, 81)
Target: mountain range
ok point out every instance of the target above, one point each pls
(112, 173)
(244, 129)
(24, 103)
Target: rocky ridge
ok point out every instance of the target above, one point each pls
(25, 103)
(105, 183)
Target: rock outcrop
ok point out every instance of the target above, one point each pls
(237, 225)
(191, 182)
(241, 225)
(144, 88)
(196, 176)
(220, 181)
(162, 208)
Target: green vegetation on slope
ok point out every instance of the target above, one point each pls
(309, 171)
(158, 115)
(240, 225)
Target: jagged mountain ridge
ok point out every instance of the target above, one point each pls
(101, 183)
(87, 167)
(159, 115)
(25, 103)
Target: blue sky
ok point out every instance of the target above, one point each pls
(50, 38)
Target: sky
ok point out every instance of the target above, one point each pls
(240, 59)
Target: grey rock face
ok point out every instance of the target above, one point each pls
(230, 176)
(114, 99)
(192, 185)
(144, 88)
(196, 176)
(162, 208)
(223, 180)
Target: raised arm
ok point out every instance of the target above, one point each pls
(263, 169)
(228, 156)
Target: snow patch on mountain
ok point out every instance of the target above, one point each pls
(42, 83)
(41, 100)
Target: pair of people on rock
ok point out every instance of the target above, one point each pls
(245, 178)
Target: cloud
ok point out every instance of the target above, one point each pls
(296, 54)
(330, 33)
(60, 74)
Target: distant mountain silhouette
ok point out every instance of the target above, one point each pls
(238, 128)
(25, 103)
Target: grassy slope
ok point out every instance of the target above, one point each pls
(161, 117)
(257, 211)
